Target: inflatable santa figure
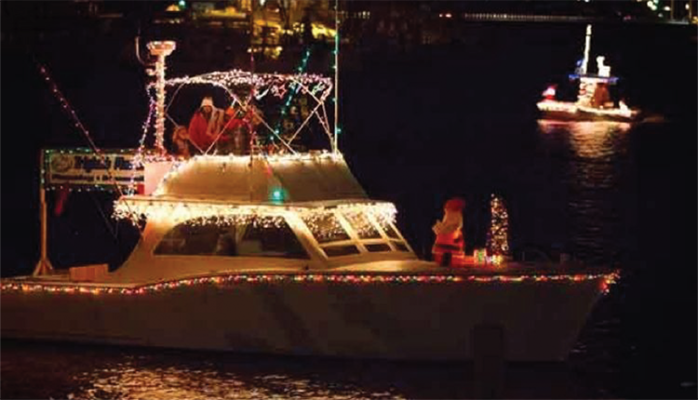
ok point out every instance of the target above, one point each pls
(449, 243)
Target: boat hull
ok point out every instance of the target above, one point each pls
(413, 320)
(581, 115)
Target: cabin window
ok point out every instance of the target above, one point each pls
(362, 225)
(376, 247)
(388, 228)
(326, 227)
(189, 239)
(256, 237)
(335, 251)
(400, 246)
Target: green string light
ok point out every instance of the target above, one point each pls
(295, 87)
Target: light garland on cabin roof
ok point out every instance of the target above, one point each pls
(361, 223)
(95, 289)
(325, 226)
(134, 208)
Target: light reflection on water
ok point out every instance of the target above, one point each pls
(130, 380)
(595, 154)
(105, 372)
(595, 175)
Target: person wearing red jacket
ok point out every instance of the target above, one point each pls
(205, 125)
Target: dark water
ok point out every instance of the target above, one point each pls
(420, 127)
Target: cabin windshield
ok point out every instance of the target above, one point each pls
(255, 237)
(348, 232)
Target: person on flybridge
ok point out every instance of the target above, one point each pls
(205, 125)
(238, 128)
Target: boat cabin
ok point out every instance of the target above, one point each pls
(214, 214)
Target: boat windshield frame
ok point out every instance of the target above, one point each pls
(377, 235)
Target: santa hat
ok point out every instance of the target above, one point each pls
(207, 101)
(455, 204)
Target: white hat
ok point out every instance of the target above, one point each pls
(207, 101)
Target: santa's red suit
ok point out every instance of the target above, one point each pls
(449, 245)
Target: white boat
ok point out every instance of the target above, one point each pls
(594, 102)
(286, 254)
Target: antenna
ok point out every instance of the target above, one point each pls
(336, 75)
(587, 45)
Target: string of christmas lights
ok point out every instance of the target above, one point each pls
(10, 285)
(316, 86)
(262, 83)
(295, 87)
(135, 208)
(498, 234)
(76, 121)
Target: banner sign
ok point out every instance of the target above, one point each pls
(82, 168)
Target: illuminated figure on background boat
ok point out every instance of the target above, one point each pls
(449, 244)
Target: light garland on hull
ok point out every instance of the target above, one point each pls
(220, 280)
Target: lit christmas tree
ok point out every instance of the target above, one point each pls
(498, 235)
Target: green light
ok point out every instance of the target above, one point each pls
(277, 195)
(182, 4)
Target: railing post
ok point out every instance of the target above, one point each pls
(43, 267)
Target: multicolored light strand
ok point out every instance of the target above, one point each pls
(11, 285)
(76, 121)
